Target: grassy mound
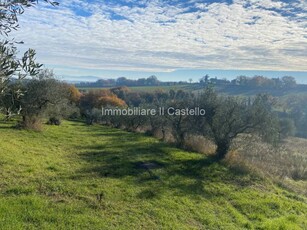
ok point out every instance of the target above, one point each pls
(92, 177)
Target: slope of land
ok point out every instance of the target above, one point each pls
(93, 177)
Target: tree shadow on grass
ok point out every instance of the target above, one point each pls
(156, 166)
(7, 124)
(7, 127)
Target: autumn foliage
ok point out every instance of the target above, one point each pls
(101, 98)
(74, 94)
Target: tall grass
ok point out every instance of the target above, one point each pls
(287, 162)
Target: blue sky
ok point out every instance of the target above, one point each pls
(174, 39)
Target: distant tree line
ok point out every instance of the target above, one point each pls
(264, 82)
(286, 82)
(122, 81)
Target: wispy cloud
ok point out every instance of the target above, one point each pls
(168, 35)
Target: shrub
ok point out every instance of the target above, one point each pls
(54, 121)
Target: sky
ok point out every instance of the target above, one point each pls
(174, 39)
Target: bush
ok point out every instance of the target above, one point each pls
(54, 121)
(93, 116)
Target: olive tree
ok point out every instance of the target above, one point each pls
(14, 68)
(10, 10)
(44, 99)
(228, 117)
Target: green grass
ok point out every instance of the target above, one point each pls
(88, 177)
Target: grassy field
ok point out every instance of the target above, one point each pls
(93, 177)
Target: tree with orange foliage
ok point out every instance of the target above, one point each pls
(94, 100)
(74, 94)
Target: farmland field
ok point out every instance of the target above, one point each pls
(93, 177)
(232, 90)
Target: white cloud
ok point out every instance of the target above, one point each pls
(242, 35)
(267, 4)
